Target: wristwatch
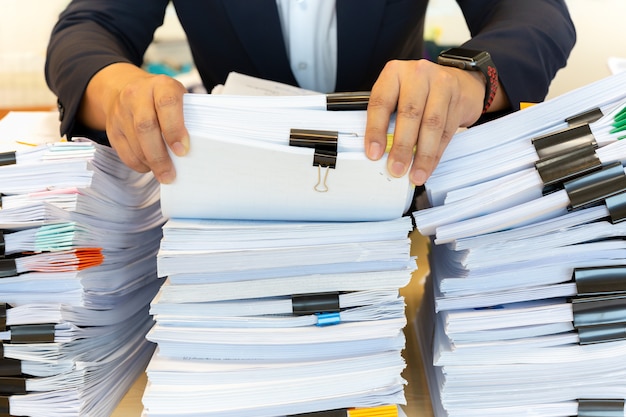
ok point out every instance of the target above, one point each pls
(468, 59)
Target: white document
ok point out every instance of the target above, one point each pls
(209, 252)
(278, 182)
(280, 388)
(540, 268)
(298, 257)
(499, 194)
(280, 344)
(466, 147)
(246, 140)
(200, 288)
(242, 84)
(535, 230)
(278, 311)
(208, 234)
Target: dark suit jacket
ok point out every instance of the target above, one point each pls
(529, 41)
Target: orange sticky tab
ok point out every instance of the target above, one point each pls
(89, 257)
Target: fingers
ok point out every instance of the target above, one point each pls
(146, 118)
(121, 132)
(430, 102)
(434, 129)
(169, 107)
(381, 105)
(407, 148)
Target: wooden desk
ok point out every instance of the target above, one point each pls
(418, 399)
(4, 111)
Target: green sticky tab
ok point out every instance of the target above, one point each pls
(59, 236)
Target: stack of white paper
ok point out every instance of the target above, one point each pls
(282, 277)
(79, 233)
(525, 313)
(229, 341)
(291, 160)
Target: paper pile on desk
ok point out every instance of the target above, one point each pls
(526, 310)
(80, 233)
(281, 296)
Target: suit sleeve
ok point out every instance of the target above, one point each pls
(529, 41)
(89, 35)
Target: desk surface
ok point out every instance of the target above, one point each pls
(4, 111)
(418, 400)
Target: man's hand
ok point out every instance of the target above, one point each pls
(142, 113)
(432, 102)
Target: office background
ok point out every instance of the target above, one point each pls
(26, 24)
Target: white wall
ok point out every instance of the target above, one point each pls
(25, 26)
(600, 29)
(24, 29)
(599, 26)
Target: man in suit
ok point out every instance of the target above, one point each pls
(96, 49)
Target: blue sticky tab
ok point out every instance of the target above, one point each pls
(328, 319)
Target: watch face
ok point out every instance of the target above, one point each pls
(468, 59)
(461, 53)
(463, 58)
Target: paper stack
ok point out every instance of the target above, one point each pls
(283, 265)
(526, 314)
(79, 236)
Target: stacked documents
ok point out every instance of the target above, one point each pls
(526, 314)
(282, 267)
(79, 233)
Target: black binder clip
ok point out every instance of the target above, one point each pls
(306, 304)
(32, 333)
(588, 116)
(558, 168)
(325, 144)
(601, 333)
(13, 385)
(3, 316)
(596, 187)
(8, 158)
(599, 309)
(600, 319)
(27, 333)
(5, 409)
(564, 140)
(616, 205)
(601, 407)
(8, 268)
(10, 367)
(600, 280)
(356, 100)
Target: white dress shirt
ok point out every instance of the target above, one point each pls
(310, 31)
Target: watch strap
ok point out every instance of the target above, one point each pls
(481, 62)
(491, 76)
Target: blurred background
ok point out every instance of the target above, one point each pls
(25, 26)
